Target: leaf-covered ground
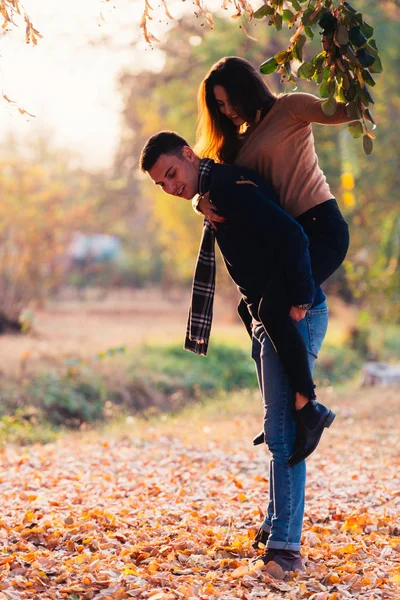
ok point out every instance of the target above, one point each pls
(167, 511)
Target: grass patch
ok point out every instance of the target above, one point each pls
(169, 369)
(153, 380)
(337, 365)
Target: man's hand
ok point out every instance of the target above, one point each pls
(208, 209)
(297, 314)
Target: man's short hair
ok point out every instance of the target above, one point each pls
(164, 142)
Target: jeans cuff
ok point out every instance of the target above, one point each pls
(283, 545)
(266, 526)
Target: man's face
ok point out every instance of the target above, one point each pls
(177, 175)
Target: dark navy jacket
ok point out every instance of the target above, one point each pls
(259, 237)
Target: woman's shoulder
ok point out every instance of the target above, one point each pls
(289, 101)
(296, 100)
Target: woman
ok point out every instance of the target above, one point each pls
(242, 121)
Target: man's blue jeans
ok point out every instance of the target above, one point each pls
(284, 518)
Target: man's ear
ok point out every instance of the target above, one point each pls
(188, 153)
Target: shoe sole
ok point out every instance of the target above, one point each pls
(330, 417)
(258, 440)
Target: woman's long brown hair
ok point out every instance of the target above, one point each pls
(217, 136)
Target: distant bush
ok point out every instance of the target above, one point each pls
(148, 379)
(170, 369)
(67, 400)
(336, 365)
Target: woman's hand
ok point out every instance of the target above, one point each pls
(297, 313)
(208, 209)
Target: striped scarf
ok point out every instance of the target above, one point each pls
(201, 306)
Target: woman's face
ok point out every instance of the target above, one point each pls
(225, 107)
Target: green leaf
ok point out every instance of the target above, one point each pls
(306, 71)
(367, 144)
(269, 66)
(353, 110)
(350, 8)
(355, 129)
(373, 44)
(357, 38)
(352, 91)
(366, 75)
(282, 57)
(369, 116)
(366, 96)
(376, 67)
(328, 22)
(329, 106)
(278, 21)
(298, 47)
(289, 73)
(318, 76)
(287, 15)
(367, 30)
(263, 11)
(295, 5)
(306, 16)
(365, 58)
(325, 89)
(309, 32)
(341, 95)
(319, 59)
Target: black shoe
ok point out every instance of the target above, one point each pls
(261, 538)
(259, 439)
(311, 421)
(280, 562)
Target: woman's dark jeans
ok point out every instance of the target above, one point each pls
(328, 235)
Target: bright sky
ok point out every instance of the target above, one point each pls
(68, 84)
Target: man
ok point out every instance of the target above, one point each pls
(262, 247)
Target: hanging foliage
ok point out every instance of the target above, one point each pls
(343, 69)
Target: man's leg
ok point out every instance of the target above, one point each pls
(265, 528)
(286, 506)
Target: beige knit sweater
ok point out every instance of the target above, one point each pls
(281, 149)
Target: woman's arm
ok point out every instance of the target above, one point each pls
(308, 108)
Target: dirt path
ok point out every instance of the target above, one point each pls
(167, 511)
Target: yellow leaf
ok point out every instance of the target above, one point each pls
(239, 572)
(29, 516)
(347, 181)
(130, 572)
(349, 200)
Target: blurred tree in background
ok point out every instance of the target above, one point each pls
(46, 197)
(366, 187)
(42, 202)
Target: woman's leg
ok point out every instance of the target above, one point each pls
(328, 235)
(273, 313)
(329, 239)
